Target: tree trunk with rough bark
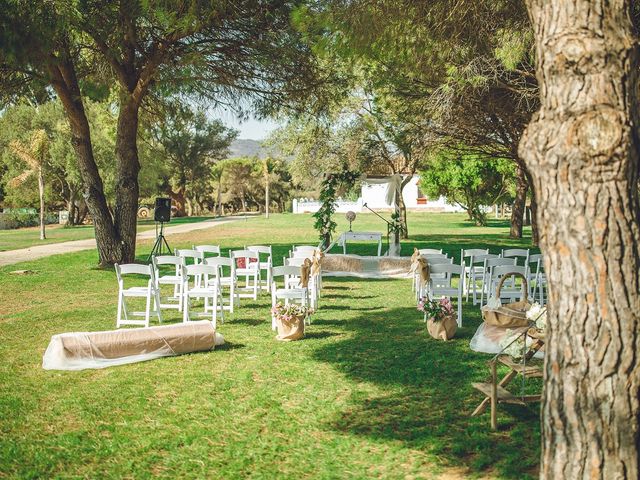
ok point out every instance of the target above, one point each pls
(65, 84)
(402, 208)
(519, 204)
(127, 190)
(582, 151)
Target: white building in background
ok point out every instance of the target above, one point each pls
(374, 196)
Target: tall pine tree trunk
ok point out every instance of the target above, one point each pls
(42, 207)
(519, 204)
(582, 151)
(64, 82)
(127, 190)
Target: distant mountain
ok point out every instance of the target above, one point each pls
(246, 148)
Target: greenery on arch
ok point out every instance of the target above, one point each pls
(331, 184)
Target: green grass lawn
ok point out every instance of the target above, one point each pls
(30, 236)
(367, 393)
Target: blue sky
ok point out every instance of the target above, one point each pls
(250, 129)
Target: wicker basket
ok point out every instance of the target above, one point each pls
(511, 315)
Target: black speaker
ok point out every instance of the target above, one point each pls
(162, 212)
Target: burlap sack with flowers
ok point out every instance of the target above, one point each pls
(290, 329)
(443, 329)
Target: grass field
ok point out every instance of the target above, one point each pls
(367, 394)
(29, 237)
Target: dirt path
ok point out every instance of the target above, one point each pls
(10, 257)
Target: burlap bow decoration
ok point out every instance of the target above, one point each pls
(316, 262)
(305, 272)
(419, 264)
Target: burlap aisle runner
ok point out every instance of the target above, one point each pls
(366, 267)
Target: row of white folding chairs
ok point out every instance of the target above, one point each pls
(480, 264)
(209, 289)
(477, 271)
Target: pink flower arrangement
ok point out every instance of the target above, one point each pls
(436, 309)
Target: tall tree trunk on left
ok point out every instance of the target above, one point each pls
(582, 149)
(42, 207)
(127, 190)
(402, 207)
(519, 204)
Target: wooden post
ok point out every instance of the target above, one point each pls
(494, 397)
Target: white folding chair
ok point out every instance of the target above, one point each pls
(249, 269)
(474, 273)
(173, 278)
(149, 292)
(467, 257)
(433, 259)
(209, 289)
(509, 293)
(208, 250)
(293, 281)
(225, 281)
(416, 274)
(298, 295)
(444, 286)
(191, 257)
(489, 264)
(265, 257)
(537, 278)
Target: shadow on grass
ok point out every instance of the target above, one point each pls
(230, 346)
(428, 396)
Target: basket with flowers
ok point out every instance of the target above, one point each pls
(440, 317)
(289, 319)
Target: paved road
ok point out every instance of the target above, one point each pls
(40, 251)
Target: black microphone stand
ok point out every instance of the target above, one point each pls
(389, 226)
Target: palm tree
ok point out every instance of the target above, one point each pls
(35, 156)
(268, 167)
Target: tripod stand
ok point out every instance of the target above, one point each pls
(160, 244)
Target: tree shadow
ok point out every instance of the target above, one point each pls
(428, 397)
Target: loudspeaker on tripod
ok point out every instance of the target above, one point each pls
(162, 212)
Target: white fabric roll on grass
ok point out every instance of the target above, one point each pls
(82, 350)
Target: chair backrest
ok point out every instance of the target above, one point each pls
(439, 261)
(429, 251)
(490, 263)
(266, 249)
(295, 262)
(194, 255)
(446, 268)
(429, 256)
(219, 261)
(195, 270)
(500, 270)
(535, 257)
(204, 249)
(167, 260)
(482, 258)
(516, 253)
(243, 254)
(134, 269)
(472, 253)
(302, 254)
(285, 270)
